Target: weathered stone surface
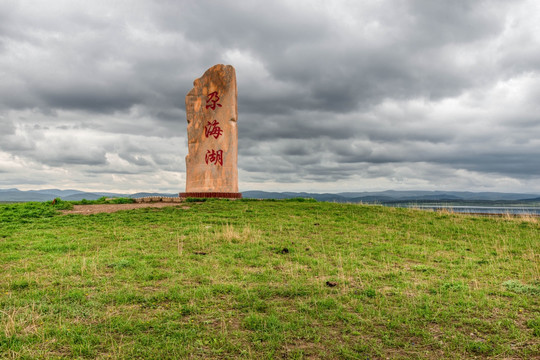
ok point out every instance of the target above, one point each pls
(211, 109)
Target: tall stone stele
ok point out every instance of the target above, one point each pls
(212, 113)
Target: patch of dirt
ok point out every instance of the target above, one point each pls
(109, 208)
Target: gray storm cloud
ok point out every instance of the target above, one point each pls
(411, 94)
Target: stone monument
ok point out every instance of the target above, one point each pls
(212, 113)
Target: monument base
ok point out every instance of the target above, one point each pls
(223, 195)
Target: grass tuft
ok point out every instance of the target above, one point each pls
(518, 287)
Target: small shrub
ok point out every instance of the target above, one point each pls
(190, 199)
(60, 204)
(121, 201)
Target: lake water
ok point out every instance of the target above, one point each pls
(495, 210)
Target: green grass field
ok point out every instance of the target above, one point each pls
(267, 279)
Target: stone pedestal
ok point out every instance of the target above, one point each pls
(211, 109)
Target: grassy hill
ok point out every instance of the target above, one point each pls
(267, 279)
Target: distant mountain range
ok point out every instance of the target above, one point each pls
(49, 194)
(392, 196)
(382, 197)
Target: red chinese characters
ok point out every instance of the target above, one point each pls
(212, 100)
(214, 157)
(213, 129)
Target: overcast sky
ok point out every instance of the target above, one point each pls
(332, 95)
